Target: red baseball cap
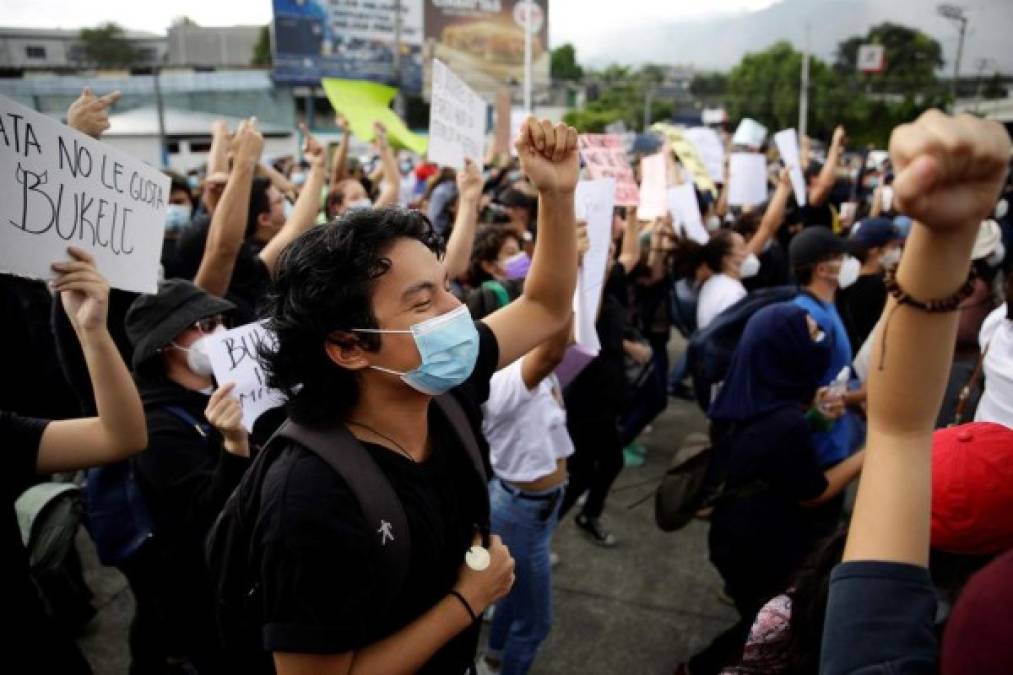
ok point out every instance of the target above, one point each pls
(972, 489)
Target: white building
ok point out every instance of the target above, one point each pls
(59, 49)
(187, 135)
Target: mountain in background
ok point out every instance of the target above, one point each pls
(719, 43)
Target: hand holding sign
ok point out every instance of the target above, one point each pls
(548, 155)
(89, 114)
(235, 358)
(225, 413)
(84, 292)
(470, 183)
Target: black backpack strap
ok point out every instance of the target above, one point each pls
(380, 505)
(455, 414)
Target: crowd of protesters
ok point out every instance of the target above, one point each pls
(428, 449)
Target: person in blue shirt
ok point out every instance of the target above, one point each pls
(822, 266)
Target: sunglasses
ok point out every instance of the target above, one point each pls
(209, 324)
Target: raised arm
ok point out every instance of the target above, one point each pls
(228, 224)
(307, 206)
(339, 163)
(949, 174)
(541, 361)
(663, 240)
(462, 237)
(282, 184)
(548, 157)
(391, 187)
(119, 430)
(89, 114)
(773, 217)
(721, 208)
(820, 192)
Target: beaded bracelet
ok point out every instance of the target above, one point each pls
(947, 304)
(944, 305)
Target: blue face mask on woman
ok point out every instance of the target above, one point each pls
(448, 345)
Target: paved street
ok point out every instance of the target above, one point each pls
(637, 609)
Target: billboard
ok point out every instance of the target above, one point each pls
(347, 39)
(483, 41)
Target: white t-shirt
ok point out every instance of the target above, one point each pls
(717, 294)
(997, 401)
(526, 429)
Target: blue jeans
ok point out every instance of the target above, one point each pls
(523, 618)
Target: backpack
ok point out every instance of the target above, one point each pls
(709, 353)
(118, 519)
(230, 545)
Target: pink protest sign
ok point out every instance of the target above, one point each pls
(605, 157)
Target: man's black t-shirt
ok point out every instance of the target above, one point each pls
(319, 586)
(860, 307)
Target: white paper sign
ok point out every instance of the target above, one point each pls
(711, 150)
(457, 118)
(750, 133)
(59, 187)
(871, 58)
(234, 359)
(787, 145)
(517, 117)
(594, 202)
(686, 212)
(653, 183)
(747, 178)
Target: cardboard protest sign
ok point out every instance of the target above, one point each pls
(605, 157)
(747, 178)
(62, 188)
(234, 359)
(750, 133)
(653, 183)
(502, 137)
(457, 118)
(710, 149)
(686, 212)
(365, 103)
(787, 145)
(688, 156)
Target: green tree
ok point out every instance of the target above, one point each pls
(912, 59)
(994, 87)
(106, 46)
(709, 84)
(262, 50)
(563, 65)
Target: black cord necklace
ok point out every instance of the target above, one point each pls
(385, 437)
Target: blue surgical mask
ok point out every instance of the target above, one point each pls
(288, 207)
(177, 216)
(448, 345)
(298, 178)
(360, 204)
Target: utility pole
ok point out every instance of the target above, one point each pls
(163, 151)
(803, 93)
(399, 99)
(955, 13)
(528, 11)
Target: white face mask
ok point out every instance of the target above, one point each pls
(360, 204)
(749, 267)
(890, 259)
(197, 358)
(713, 224)
(850, 269)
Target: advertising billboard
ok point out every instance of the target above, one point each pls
(347, 39)
(483, 41)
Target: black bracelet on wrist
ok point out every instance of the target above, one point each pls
(467, 606)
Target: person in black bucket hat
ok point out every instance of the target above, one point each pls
(197, 452)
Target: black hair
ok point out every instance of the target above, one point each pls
(178, 183)
(804, 273)
(325, 283)
(488, 241)
(260, 203)
(689, 255)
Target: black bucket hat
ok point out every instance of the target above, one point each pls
(153, 321)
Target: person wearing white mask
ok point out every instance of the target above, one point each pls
(729, 261)
(822, 266)
(197, 452)
(876, 243)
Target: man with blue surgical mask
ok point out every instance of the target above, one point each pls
(368, 334)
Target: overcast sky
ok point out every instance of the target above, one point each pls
(711, 34)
